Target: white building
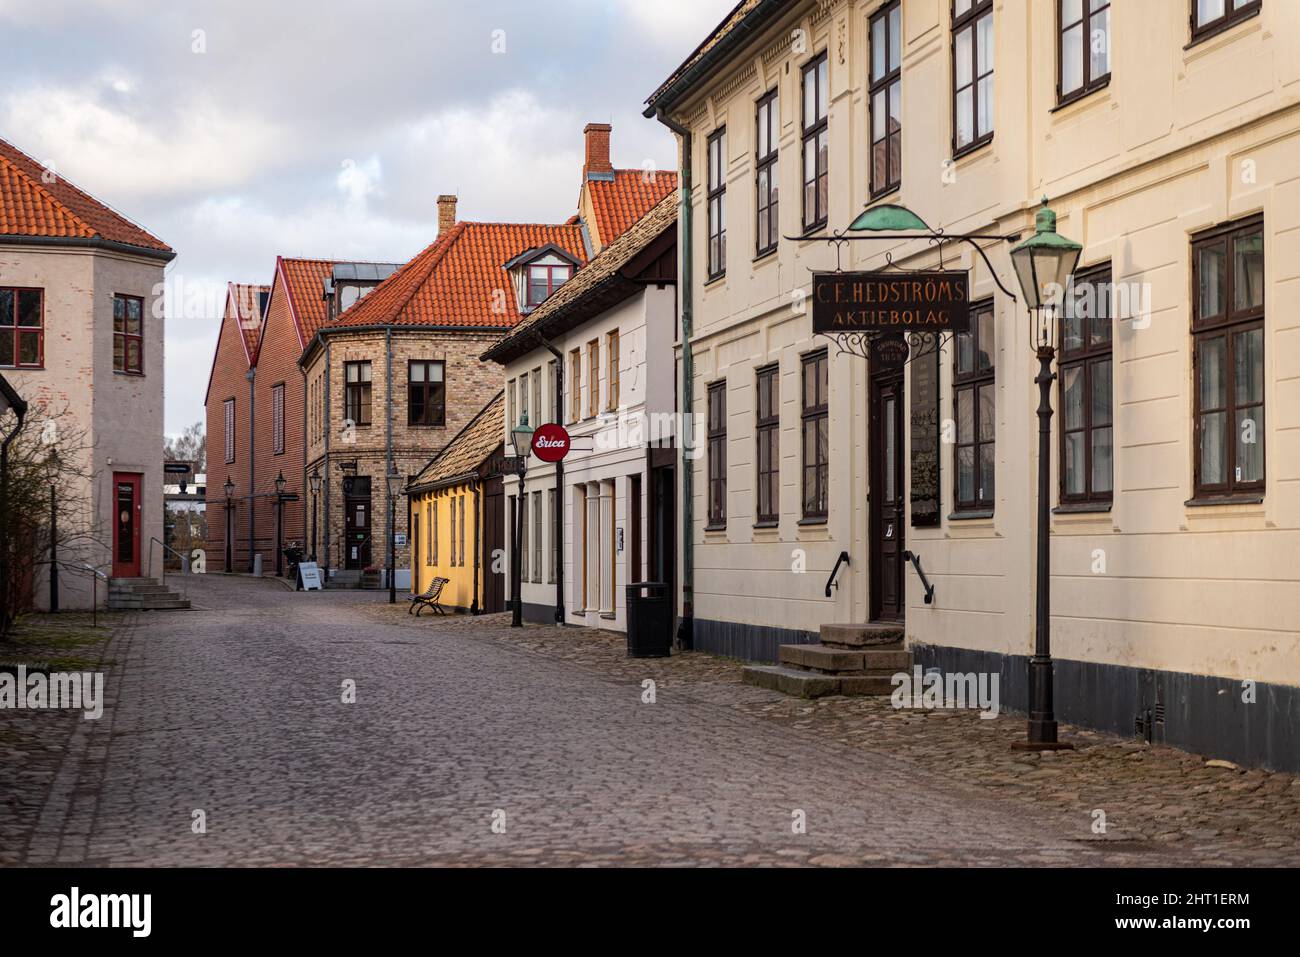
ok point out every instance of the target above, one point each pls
(597, 357)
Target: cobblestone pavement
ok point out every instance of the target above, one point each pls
(234, 709)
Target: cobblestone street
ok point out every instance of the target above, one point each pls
(235, 709)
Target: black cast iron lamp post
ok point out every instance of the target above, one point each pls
(521, 443)
(279, 523)
(394, 489)
(314, 482)
(1044, 264)
(230, 546)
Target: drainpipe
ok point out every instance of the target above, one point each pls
(252, 442)
(303, 488)
(325, 518)
(557, 536)
(388, 441)
(685, 631)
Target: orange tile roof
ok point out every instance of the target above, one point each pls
(30, 206)
(620, 202)
(459, 280)
(247, 300)
(304, 281)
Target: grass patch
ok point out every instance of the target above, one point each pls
(56, 639)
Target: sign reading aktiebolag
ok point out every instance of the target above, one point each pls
(890, 302)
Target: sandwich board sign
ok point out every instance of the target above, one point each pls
(309, 572)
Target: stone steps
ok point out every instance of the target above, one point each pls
(855, 659)
(143, 594)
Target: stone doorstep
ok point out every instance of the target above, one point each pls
(809, 684)
(831, 659)
(861, 635)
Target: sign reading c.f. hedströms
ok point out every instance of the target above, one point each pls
(890, 302)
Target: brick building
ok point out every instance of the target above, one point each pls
(396, 376)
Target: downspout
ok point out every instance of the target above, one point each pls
(252, 442)
(388, 442)
(557, 534)
(685, 631)
(325, 516)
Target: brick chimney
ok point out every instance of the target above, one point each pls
(596, 164)
(446, 213)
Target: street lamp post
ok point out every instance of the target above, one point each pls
(314, 481)
(1044, 264)
(394, 487)
(229, 489)
(521, 443)
(279, 524)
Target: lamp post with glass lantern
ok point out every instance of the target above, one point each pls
(279, 524)
(521, 443)
(314, 482)
(1044, 264)
(229, 489)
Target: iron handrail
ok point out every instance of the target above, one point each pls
(339, 546)
(915, 559)
(185, 564)
(842, 560)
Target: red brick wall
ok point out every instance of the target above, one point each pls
(229, 368)
(277, 364)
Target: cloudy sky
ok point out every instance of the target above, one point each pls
(237, 130)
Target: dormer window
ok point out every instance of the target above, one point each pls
(544, 280)
(537, 273)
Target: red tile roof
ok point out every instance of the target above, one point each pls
(619, 203)
(304, 282)
(247, 302)
(459, 280)
(30, 206)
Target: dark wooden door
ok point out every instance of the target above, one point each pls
(356, 533)
(887, 536)
(663, 528)
(494, 540)
(126, 525)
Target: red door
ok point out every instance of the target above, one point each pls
(126, 525)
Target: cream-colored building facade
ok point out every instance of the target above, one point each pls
(1173, 122)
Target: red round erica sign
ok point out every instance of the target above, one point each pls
(551, 442)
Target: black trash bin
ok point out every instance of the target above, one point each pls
(649, 620)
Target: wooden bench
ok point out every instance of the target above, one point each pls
(428, 598)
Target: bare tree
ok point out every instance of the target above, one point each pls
(49, 460)
(190, 446)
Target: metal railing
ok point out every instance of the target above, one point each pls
(185, 564)
(842, 560)
(96, 577)
(339, 547)
(915, 559)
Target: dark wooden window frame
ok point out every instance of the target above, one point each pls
(1090, 83)
(1230, 18)
(812, 130)
(228, 429)
(16, 332)
(716, 156)
(970, 20)
(767, 430)
(717, 454)
(426, 393)
(883, 85)
(1226, 326)
(973, 381)
(814, 416)
(277, 419)
(1087, 357)
(767, 110)
(120, 334)
(354, 392)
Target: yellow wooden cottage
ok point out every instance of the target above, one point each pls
(457, 517)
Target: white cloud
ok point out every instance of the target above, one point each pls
(114, 153)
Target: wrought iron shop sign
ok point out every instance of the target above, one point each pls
(890, 302)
